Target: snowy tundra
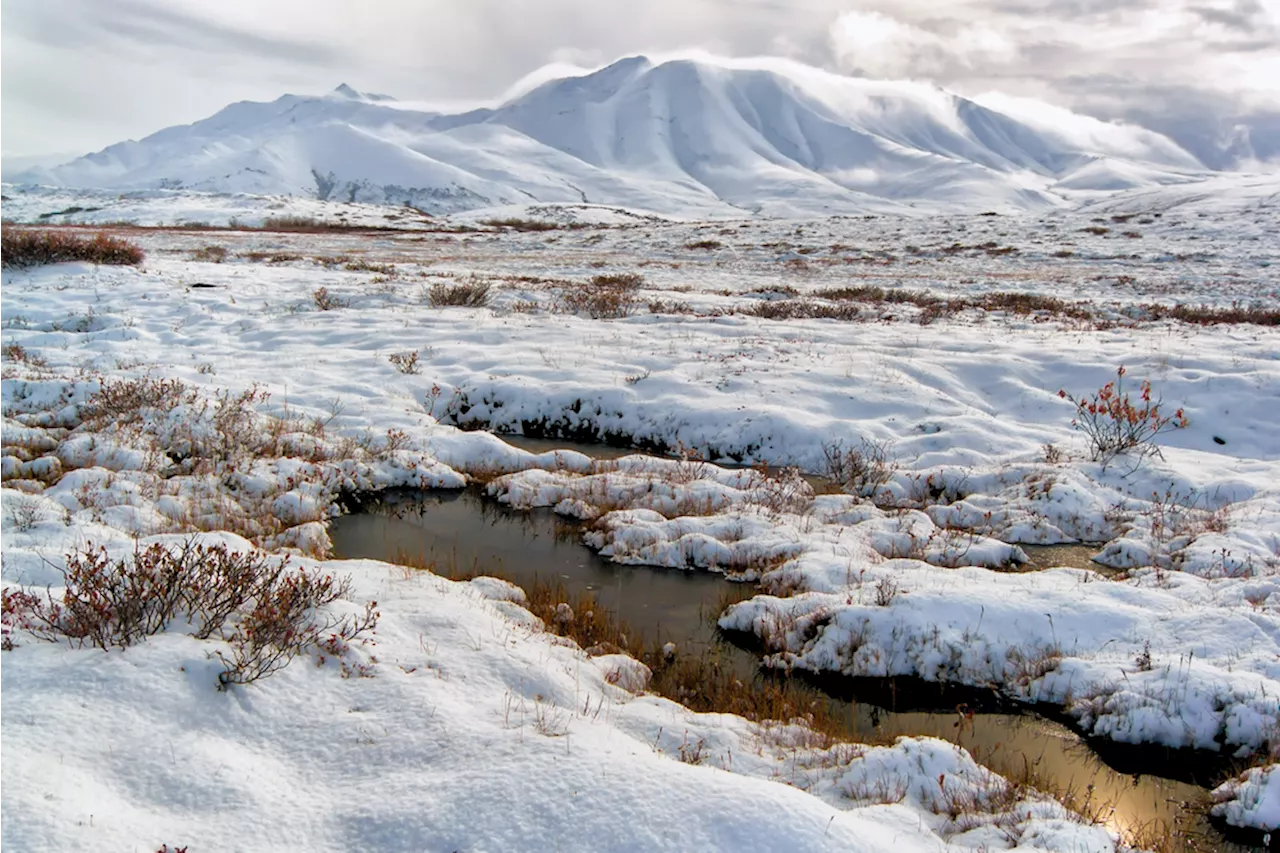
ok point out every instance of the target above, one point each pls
(272, 372)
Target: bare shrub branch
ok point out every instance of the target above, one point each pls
(271, 613)
(405, 362)
(18, 610)
(326, 301)
(859, 470)
(125, 401)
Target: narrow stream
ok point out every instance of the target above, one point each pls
(461, 531)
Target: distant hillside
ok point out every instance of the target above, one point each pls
(682, 137)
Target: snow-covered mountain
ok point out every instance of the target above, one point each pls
(681, 137)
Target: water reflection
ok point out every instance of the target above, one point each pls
(462, 532)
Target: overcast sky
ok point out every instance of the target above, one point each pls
(80, 74)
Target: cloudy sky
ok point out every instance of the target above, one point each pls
(80, 74)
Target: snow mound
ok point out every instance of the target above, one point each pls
(1217, 195)
(1107, 174)
(1251, 800)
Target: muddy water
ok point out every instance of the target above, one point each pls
(461, 531)
(1069, 556)
(543, 445)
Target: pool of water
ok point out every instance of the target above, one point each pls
(462, 531)
(1073, 556)
(543, 445)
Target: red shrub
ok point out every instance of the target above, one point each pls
(267, 614)
(1115, 424)
(22, 247)
(17, 613)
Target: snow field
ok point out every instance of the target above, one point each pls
(915, 583)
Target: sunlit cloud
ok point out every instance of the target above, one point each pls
(80, 74)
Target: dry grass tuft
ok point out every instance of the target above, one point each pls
(606, 297)
(704, 683)
(466, 294)
(210, 254)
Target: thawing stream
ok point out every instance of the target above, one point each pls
(463, 531)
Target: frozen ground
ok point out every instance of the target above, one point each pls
(1176, 642)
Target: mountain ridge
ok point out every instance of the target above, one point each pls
(691, 137)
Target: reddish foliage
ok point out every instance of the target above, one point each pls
(22, 248)
(1116, 424)
(17, 613)
(270, 614)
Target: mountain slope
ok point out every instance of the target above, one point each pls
(679, 137)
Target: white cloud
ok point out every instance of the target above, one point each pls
(84, 73)
(878, 45)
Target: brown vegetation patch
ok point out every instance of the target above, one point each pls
(515, 223)
(792, 309)
(1204, 315)
(605, 297)
(466, 294)
(266, 613)
(22, 248)
(1013, 302)
(210, 254)
(309, 225)
(271, 257)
